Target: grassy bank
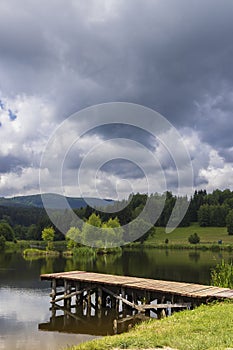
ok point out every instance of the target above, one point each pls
(20, 246)
(178, 239)
(32, 252)
(207, 327)
(208, 235)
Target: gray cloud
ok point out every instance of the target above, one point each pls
(12, 163)
(174, 56)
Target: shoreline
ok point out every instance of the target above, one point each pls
(205, 327)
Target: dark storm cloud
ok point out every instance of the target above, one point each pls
(123, 168)
(174, 56)
(165, 55)
(111, 131)
(12, 163)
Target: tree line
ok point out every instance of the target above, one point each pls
(208, 209)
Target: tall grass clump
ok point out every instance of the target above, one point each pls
(222, 275)
(84, 251)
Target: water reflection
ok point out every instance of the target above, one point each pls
(24, 299)
(20, 312)
(194, 256)
(100, 323)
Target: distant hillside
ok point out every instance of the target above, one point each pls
(53, 201)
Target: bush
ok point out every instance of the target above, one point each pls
(84, 251)
(194, 238)
(222, 275)
(2, 242)
(6, 231)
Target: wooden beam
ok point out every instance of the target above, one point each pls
(166, 306)
(70, 313)
(125, 301)
(70, 295)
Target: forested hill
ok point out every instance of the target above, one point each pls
(54, 201)
(27, 217)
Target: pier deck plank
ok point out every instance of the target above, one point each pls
(177, 288)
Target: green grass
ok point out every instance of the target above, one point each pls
(222, 275)
(208, 235)
(31, 252)
(205, 328)
(20, 245)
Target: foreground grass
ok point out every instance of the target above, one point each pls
(205, 328)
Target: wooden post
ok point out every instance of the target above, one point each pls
(115, 326)
(88, 303)
(113, 303)
(53, 309)
(67, 301)
(78, 296)
(123, 304)
(96, 300)
(161, 314)
(147, 312)
(54, 289)
(104, 298)
(130, 298)
(99, 298)
(117, 305)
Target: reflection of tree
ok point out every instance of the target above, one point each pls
(194, 256)
(110, 263)
(80, 262)
(47, 267)
(33, 257)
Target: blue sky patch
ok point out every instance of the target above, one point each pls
(12, 115)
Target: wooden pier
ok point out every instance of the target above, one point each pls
(95, 291)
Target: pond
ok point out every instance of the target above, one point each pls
(24, 299)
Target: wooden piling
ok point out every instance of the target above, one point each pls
(78, 296)
(67, 298)
(99, 298)
(54, 289)
(129, 290)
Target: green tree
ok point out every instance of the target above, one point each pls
(204, 215)
(48, 234)
(113, 233)
(139, 230)
(90, 234)
(102, 234)
(229, 222)
(6, 231)
(32, 232)
(73, 238)
(2, 242)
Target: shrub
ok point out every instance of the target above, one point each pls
(84, 251)
(222, 275)
(194, 238)
(2, 242)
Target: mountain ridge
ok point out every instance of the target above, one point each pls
(53, 201)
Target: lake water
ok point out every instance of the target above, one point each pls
(24, 299)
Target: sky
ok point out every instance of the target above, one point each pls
(60, 57)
